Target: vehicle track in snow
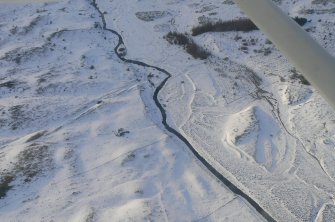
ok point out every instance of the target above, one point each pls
(215, 172)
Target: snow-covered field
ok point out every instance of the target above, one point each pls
(81, 138)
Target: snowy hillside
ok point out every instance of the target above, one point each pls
(103, 119)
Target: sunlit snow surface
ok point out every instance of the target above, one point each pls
(81, 139)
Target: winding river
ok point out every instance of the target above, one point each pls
(216, 173)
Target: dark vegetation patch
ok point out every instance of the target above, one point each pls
(243, 24)
(130, 157)
(9, 84)
(13, 30)
(31, 162)
(229, 2)
(45, 77)
(17, 116)
(277, 1)
(207, 9)
(176, 38)
(317, 11)
(58, 34)
(265, 51)
(297, 76)
(41, 80)
(19, 55)
(30, 26)
(54, 88)
(13, 86)
(324, 2)
(204, 19)
(188, 44)
(3, 122)
(282, 79)
(253, 77)
(196, 51)
(149, 77)
(5, 186)
(301, 21)
(151, 15)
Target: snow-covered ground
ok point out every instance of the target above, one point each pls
(81, 138)
(80, 134)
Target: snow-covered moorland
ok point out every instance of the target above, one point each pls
(81, 132)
